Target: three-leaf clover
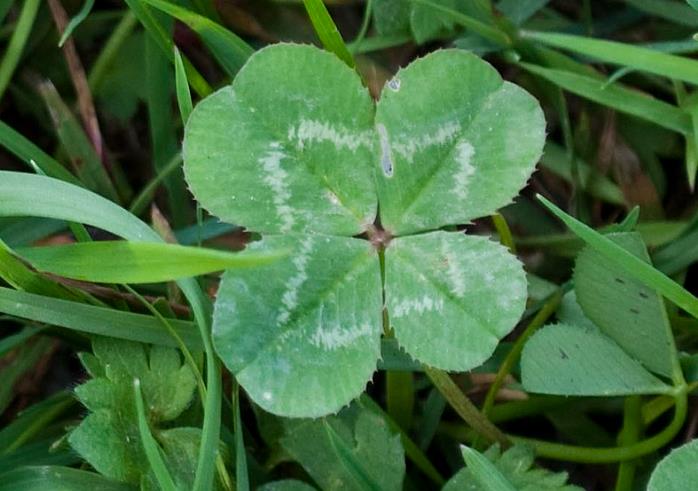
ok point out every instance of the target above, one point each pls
(297, 150)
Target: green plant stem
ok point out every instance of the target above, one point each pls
(368, 9)
(505, 235)
(17, 42)
(601, 455)
(512, 357)
(141, 201)
(631, 432)
(106, 57)
(465, 408)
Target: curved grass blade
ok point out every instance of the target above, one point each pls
(327, 31)
(14, 49)
(150, 446)
(76, 21)
(57, 478)
(101, 321)
(640, 58)
(136, 262)
(182, 88)
(633, 265)
(230, 51)
(24, 194)
(617, 97)
(486, 474)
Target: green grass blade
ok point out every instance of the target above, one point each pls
(9, 343)
(163, 131)
(676, 12)
(39, 478)
(24, 194)
(28, 152)
(155, 29)
(88, 166)
(140, 202)
(633, 265)
(649, 60)
(76, 21)
(150, 446)
(617, 97)
(111, 48)
(230, 51)
(136, 262)
(241, 473)
(101, 321)
(182, 88)
(327, 31)
(350, 462)
(19, 38)
(472, 24)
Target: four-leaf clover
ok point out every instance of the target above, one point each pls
(296, 150)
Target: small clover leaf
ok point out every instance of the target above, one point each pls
(296, 150)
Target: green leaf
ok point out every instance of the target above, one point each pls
(452, 297)
(484, 471)
(449, 155)
(677, 471)
(302, 335)
(649, 60)
(391, 16)
(614, 300)
(352, 451)
(570, 360)
(631, 264)
(617, 97)
(14, 49)
(55, 478)
(136, 262)
(515, 465)
(109, 438)
(295, 151)
(327, 30)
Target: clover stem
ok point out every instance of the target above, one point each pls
(465, 408)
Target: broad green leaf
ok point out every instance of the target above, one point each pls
(650, 60)
(427, 22)
(516, 466)
(451, 297)
(617, 97)
(626, 310)
(108, 438)
(56, 478)
(302, 335)
(677, 471)
(391, 16)
(570, 360)
(136, 262)
(448, 154)
(288, 147)
(519, 11)
(352, 451)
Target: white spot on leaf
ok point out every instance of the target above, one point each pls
(312, 131)
(386, 157)
(337, 337)
(464, 155)
(289, 299)
(276, 178)
(267, 396)
(453, 271)
(409, 306)
(444, 134)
